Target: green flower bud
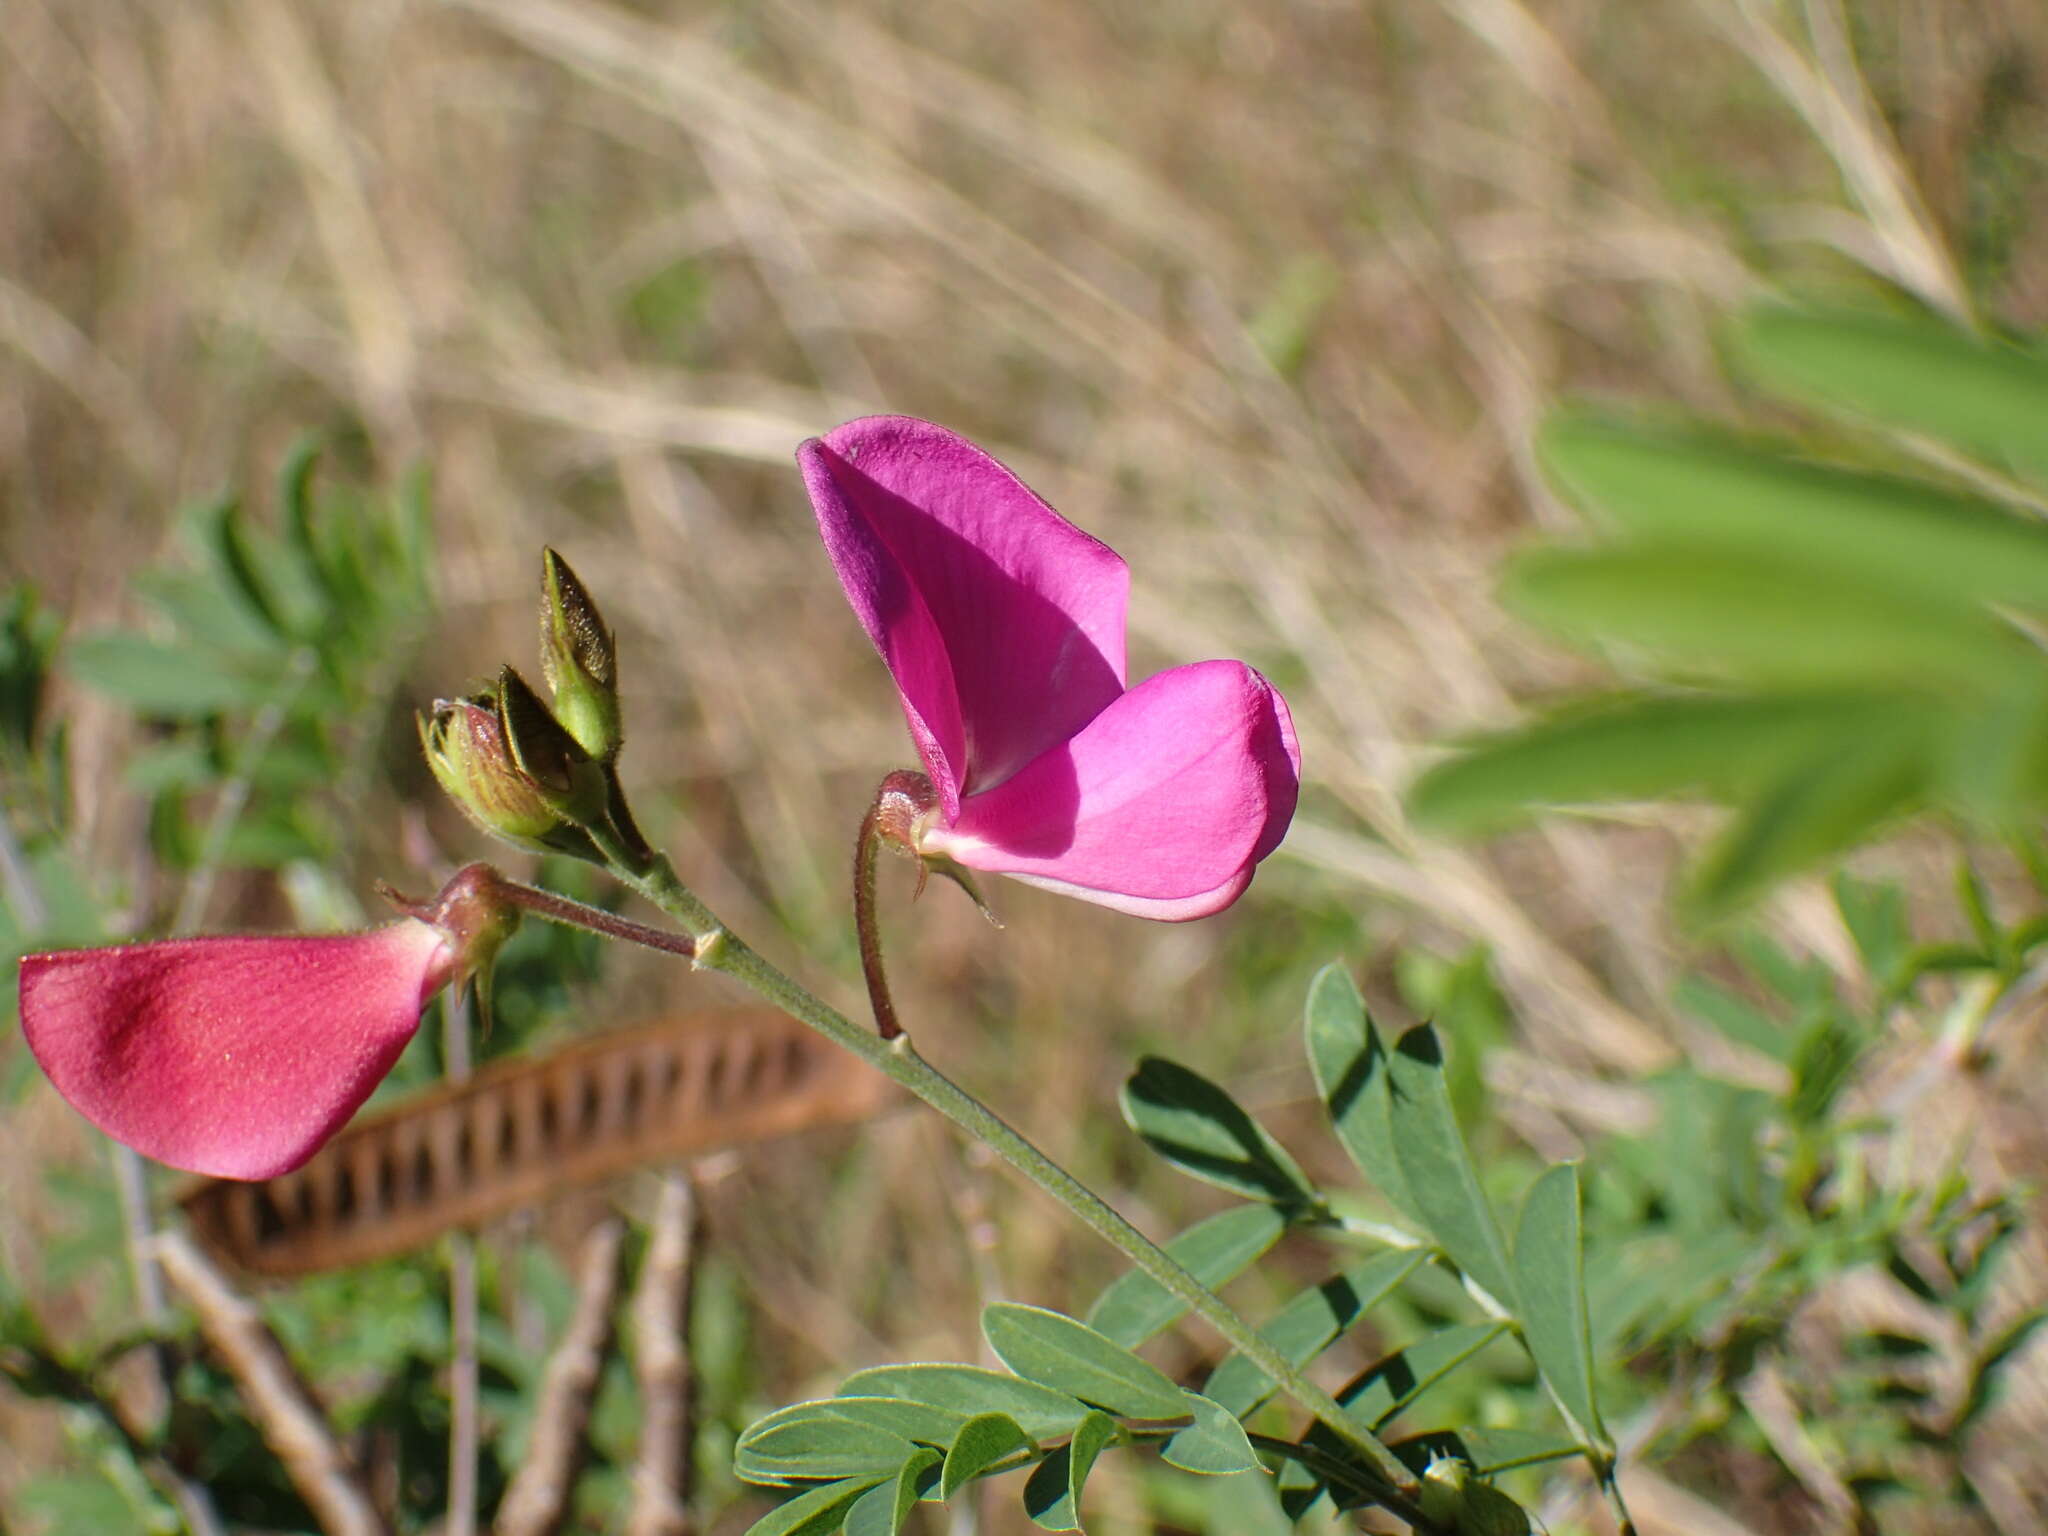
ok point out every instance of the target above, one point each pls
(1453, 1498)
(478, 760)
(564, 775)
(579, 661)
(465, 746)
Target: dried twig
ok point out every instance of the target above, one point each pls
(661, 1364)
(539, 1496)
(292, 1423)
(462, 1366)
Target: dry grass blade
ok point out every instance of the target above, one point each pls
(661, 1364)
(520, 1133)
(538, 1499)
(292, 1423)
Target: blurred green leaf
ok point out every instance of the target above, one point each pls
(1988, 1371)
(1215, 1252)
(1699, 491)
(159, 679)
(1285, 324)
(1214, 1445)
(1735, 1016)
(982, 1442)
(882, 1510)
(228, 537)
(1912, 373)
(297, 509)
(1199, 1128)
(1550, 1277)
(1437, 1166)
(969, 1390)
(1635, 746)
(1350, 1066)
(1874, 912)
(28, 647)
(1305, 1326)
(1765, 619)
(1819, 809)
(815, 1513)
(1055, 1351)
(209, 619)
(1460, 999)
(1826, 1056)
(78, 1501)
(1052, 1495)
(179, 764)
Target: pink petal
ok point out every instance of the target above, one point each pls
(1160, 807)
(1001, 622)
(230, 1056)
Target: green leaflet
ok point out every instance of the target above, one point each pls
(1057, 1352)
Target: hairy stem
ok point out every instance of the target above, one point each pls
(717, 949)
(867, 923)
(576, 914)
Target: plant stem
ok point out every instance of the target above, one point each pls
(576, 914)
(867, 924)
(718, 949)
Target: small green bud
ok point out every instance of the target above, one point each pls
(477, 760)
(1453, 1498)
(579, 661)
(565, 776)
(465, 746)
(1443, 1490)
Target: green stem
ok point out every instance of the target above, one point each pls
(720, 950)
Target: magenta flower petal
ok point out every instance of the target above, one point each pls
(1160, 806)
(230, 1056)
(1001, 622)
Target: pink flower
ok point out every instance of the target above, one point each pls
(1003, 627)
(231, 1056)
(240, 1056)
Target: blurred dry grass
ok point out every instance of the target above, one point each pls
(1268, 297)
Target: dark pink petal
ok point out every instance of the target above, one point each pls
(230, 1056)
(1001, 622)
(1160, 806)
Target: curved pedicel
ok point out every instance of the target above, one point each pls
(523, 1132)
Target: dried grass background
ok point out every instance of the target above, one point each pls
(1268, 297)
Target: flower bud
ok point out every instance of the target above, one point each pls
(565, 776)
(489, 771)
(579, 661)
(1453, 1498)
(465, 746)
